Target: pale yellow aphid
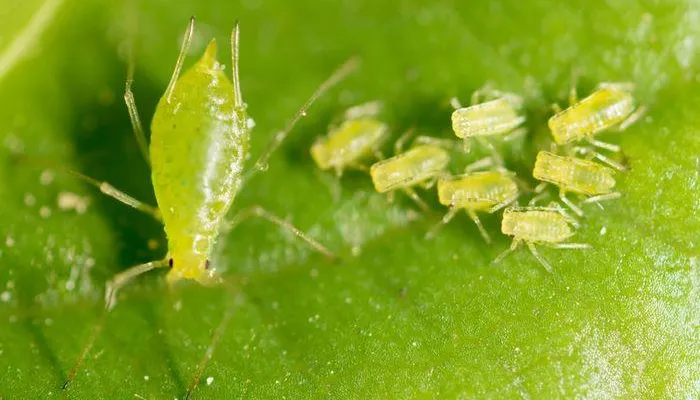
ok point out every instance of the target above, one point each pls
(358, 137)
(611, 105)
(420, 165)
(500, 115)
(486, 191)
(548, 226)
(575, 175)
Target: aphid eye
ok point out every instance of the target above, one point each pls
(206, 265)
(170, 263)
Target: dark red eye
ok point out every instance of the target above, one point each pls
(170, 262)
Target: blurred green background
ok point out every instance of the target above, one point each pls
(400, 317)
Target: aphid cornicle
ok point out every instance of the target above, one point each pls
(548, 226)
(610, 105)
(358, 137)
(575, 175)
(486, 191)
(420, 165)
(199, 143)
(498, 116)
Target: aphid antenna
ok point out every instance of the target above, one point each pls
(137, 126)
(337, 76)
(186, 41)
(235, 46)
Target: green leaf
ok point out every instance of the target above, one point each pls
(399, 317)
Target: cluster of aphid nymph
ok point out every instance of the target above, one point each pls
(486, 186)
(199, 140)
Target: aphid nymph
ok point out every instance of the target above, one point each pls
(610, 106)
(358, 137)
(420, 165)
(499, 115)
(548, 226)
(486, 191)
(575, 175)
(199, 143)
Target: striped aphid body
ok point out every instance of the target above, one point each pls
(492, 118)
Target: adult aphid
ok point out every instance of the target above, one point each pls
(610, 106)
(575, 175)
(498, 115)
(199, 143)
(549, 226)
(358, 137)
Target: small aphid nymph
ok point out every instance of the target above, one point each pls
(610, 106)
(486, 191)
(420, 165)
(548, 226)
(355, 140)
(575, 175)
(500, 115)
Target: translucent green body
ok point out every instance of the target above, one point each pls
(350, 143)
(477, 191)
(536, 226)
(574, 174)
(495, 117)
(199, 142)
(602, 109)
(416, 165)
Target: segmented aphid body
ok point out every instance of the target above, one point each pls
(536, 225)
(199, 142)
(491, 118)
(574, 174)
(350, 143)
(602, 109)
(417, 165)
(478, 191)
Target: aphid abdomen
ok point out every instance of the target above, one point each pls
(476, 191)
(602, 109)
(495, 117)
(544, 226)
(199, 142)
(354, 140)
(574, 174)
(407, 169)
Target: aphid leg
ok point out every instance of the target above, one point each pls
(429, 183)
(485, 162)
(401, 141)
(491, 148)
(209, 352)
(378, 154)
(610, 162)
(109, 190)
(259, 212)
(336, 76)
(516, 134)
(445, 143)
(570, 246)
(180, 59)
(570, 204)
(369, 109)
(444, 221)
(603, 197)
(111, 288)
(136, 125)
(556, 108)
(619, 86)
(477, 221)
(603, 145)
(539, 258)
(502, 204)
(513, 245)
(455, 103)
(533, 201)
(554, 206)
(632, 118)
(414, 196)
(466, 145)
(331, 182)
(573, 92)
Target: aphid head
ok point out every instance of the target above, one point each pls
(320, 154)
(190, 265)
